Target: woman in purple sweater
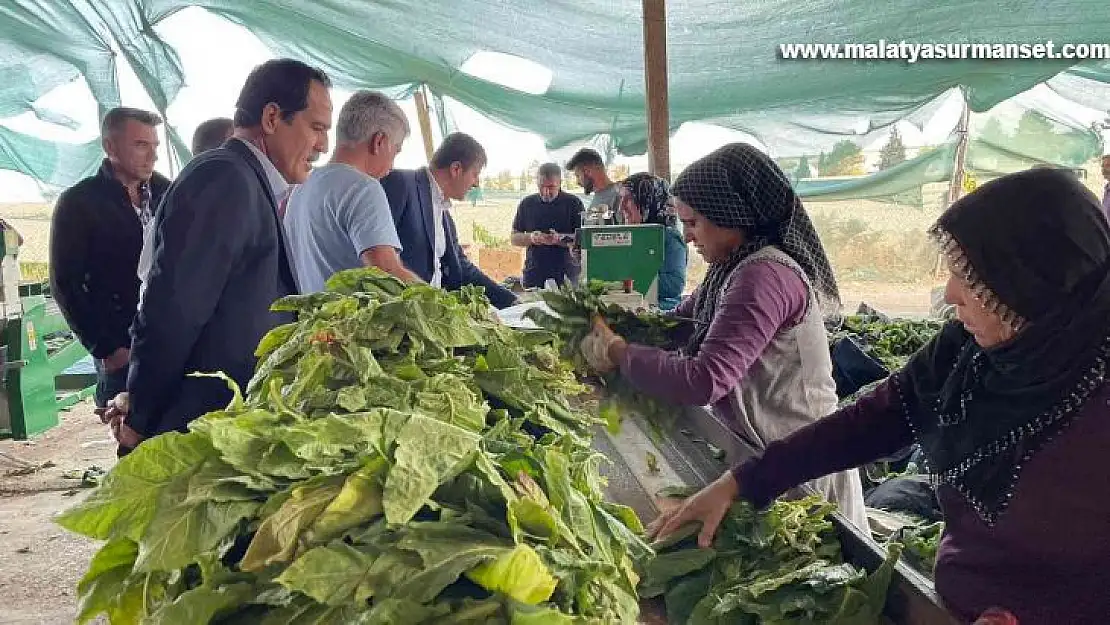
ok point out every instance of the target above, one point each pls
(759, 353)
(1011, 407)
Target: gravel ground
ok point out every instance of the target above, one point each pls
(40, 563)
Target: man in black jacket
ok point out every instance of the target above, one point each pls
(420, 201)
(220, 256)
(96, 235)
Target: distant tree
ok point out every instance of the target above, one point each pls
(993, 133)
(619, 172)
(788, 163)
(803, 171)
(505, 180)
(845, 159)
(893, 152)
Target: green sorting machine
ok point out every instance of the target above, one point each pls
(36, 349)
(618, 253)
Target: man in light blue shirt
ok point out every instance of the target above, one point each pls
(340, 218)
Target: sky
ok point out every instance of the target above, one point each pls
(214, 75)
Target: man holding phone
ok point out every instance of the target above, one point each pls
(545, 223)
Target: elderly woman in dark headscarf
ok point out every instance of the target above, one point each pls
(1009, 405)
(759, 353)
(645, 199)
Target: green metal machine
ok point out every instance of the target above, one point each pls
(619, 253)
(36, 348)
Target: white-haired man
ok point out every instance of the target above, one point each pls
(340, 218)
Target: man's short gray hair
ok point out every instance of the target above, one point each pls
(549, 170)
(367, 113)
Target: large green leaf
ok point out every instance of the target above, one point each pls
(428, 452)
(279, 536)
(359, 501)
(519, 574)
(337, 574)
(447, 398)
(125, 502)
(202, 605)
(102, 587)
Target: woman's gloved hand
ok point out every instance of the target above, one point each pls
(596, 346)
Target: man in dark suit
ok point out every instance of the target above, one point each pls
(220, 257)
(421, 201)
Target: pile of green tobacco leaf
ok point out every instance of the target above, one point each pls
(890, 342)
(922, 540)
(399, 457)
(574, 310)
(780, 565)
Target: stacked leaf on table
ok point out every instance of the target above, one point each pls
(399, 456)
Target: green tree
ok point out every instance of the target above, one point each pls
(803, 171)
(845, 159)
(893, 152)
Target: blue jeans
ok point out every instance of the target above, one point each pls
(108, 383)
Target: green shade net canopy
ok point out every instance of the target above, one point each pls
(724, 68)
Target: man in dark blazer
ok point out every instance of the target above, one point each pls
(220, 256)
(421, 200)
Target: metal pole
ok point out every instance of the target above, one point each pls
(425, 122)
(655, 80)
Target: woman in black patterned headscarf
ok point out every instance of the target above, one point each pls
(758, 351)
(646, 199)
(1009, 405)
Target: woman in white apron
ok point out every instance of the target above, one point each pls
(759, 353)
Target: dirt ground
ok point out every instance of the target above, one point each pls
(40, 563)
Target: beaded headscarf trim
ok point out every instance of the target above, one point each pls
(958, 260)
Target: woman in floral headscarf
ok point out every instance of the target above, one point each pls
(1009, 405)
(759, 353)
(645, 199)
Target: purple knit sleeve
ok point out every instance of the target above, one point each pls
(762, 298)
(863, 432)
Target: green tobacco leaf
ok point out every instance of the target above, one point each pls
(194, 517)
(279, 536)
(275, 338)
(573, 506)
(433, 316)
(428, 452)
(447, 398)
(240, 441)
(103, 583)
(689, 601)
(391, 611)
(519, 574)
(180, 533)
(202, 605)
(336, 574)
(236, 394)
(446, 551)
(359, 500)
(664, 568)
(313, 372)
(542, 615)
(125, 501)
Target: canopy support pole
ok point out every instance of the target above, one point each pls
(940, 269)
(655, 79)
(957, 184)
(425, 122)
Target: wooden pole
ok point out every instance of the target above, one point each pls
(655, 80)
(961, 154)
(425, 122)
